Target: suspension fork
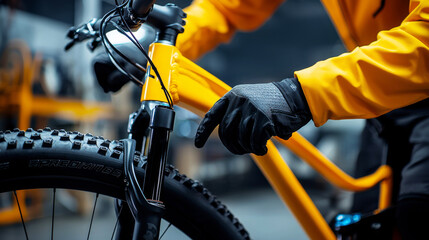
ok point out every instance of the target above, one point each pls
(144, 207)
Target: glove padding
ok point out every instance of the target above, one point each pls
(250, 114)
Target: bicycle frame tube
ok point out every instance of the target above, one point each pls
(197, 90)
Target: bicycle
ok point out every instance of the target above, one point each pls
(61, 159)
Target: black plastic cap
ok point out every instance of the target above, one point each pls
(163, 117)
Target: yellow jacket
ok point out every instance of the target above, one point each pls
(388, 68)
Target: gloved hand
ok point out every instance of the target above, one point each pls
(250, 114)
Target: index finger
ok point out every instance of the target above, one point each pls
(212, 118)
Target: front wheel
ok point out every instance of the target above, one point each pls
(59, 159)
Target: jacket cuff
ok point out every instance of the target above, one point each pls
(309, 87)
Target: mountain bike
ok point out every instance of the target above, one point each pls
(134, 170)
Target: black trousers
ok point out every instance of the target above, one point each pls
(401, 139)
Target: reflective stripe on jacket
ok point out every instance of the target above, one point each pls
(389, 70)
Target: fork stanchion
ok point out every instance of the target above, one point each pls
(161, 125)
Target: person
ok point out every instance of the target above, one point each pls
(387, 68)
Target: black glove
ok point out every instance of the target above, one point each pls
(250, 114)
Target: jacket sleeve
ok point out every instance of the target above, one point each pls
(211, 22)
(390, 73)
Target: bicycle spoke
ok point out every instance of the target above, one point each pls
(20, 213)
(117, 221)
(162, 235)
(53, 214)
(92, 217)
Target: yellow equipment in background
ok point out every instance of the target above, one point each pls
(18, 69)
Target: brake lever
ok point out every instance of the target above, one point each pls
(94, 44)
(83, 32)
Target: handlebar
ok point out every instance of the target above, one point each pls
(167, 20)
(136, 14)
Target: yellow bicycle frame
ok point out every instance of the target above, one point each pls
(197, 90)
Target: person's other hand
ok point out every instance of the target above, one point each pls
(250, 114)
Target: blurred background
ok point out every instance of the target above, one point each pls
(42, 85)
